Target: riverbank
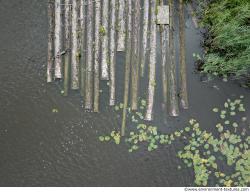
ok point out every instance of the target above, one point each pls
(226, 39)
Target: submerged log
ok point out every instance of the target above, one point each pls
(58, 39)
(127, 64)
(144, 36)
(183, 71)
(83, 49)
(89, 58)
(105, 44)
(51, 17)
(112, 52)
(121, 24)
(67, 46)
(75, 52)
(152, 64)
(97, 55)
(173, 99)
(135, 55)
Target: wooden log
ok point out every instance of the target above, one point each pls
(135, 54)
(75, 47)
(89, 58)
(97, 55)
(145, 33)
(112, 51)
(67, 59)
(58, 39)
(121, 25)
(83, 47)
(152, 64)
(127, 64)
(105, 45)
(183, 71)
(164, 38)
(51, 18)
(173, 99)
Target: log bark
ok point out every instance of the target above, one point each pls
(51, 18)
(89, 58)
(112, 52)
(105, 44)
(68, 19)
(83, 47)
(58, 39)
(121, 24)
(152, 64)
(173, 99)
(183, 71)
(144, 36)
(135, 54)
(97, 55)
(75, 46)
(127, 64)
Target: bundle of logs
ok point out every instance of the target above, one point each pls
(84, 36)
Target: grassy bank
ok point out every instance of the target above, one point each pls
(227, 38)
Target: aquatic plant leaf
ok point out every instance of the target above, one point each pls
(101, 138)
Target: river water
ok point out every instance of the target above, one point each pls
(41, 148)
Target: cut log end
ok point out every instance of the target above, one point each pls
(148, 117)
(49, 79)
(174, 113)
(104, 76)
(112, 102)
(184, 104)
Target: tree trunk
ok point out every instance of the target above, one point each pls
(135, 54)
(58, 39)
(97, 54)
(89, 58)
(127, 64)
(183, 72)
(83, 48)
(67, 42)
(121, 22)
(51, 17)
(173, 100)
(105, 45)
(112, 52)
(75, 52)
(152, 64)
(144, 36)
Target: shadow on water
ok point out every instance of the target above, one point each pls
(41, 148)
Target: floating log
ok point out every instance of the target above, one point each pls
(105, 45)
(173, 99)
(183, 71)
(58, 39)
(152, 64)
(144, 36)
(121, 24)
(51, 18)
(75, 52)
(127, 64)
(112, 52)
(97, 55)
(83, 49)
(67, 58)
(89, 58)
(164, 38)
(135, 54)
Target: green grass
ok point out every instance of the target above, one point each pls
(227, 48)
